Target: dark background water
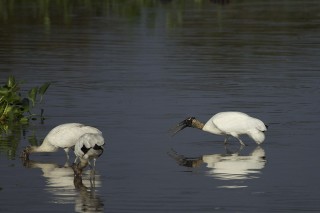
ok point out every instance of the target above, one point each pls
(136, 68)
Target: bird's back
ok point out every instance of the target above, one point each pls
(232, 122)
(66, 135)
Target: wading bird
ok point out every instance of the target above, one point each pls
(228, 124)
(88, 147)
(64, 136)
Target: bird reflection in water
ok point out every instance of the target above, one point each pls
(230, 166)
(69, 188)
(87, 201)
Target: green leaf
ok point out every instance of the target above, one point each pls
(11, 82)
(8, 112)
(32, 95)
(2, 108)
(3, 91)
(13, 106)
(14, 97)
(43, 89)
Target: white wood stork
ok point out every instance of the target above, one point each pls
(64, 136)
(88, 147)
(228, 124)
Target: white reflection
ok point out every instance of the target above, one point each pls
(68, 188)
(228, 166)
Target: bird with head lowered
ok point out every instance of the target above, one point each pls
(89, 147)
(228, 124)
(63, 136)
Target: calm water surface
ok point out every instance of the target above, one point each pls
(134, 70)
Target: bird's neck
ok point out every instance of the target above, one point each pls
(197, 124)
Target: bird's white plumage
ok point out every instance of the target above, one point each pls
(228, 124)
(63, 136)
(89, 147)
(85, 147)
(236, 124)
(66, 135)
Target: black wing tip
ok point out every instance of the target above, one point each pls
(84, 149)
(97, 147)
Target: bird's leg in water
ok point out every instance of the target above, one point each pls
(229, 152)
(76, 159)
(242, 144)
(92, 167)
(92, 178)
(226, 140)
(93, 172)
(94, 163)
(66, 164)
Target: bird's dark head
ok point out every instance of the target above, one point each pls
(183, 124)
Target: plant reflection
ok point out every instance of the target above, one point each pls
(228, 166)
(69, 188)
(10, 137)
(49, 13)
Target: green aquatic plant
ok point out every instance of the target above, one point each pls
(16, 108)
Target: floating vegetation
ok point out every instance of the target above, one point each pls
(14, 108)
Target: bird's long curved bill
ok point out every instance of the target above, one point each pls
(180, 126)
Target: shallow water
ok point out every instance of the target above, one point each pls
(136, 69)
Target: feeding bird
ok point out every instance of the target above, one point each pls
(228, 124)
(64, 136)
(88, 147)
